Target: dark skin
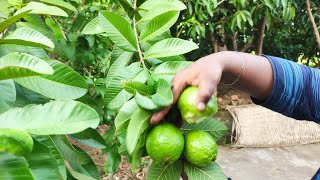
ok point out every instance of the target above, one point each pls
(206, 73)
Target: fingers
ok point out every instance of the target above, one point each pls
(158, 116)
(206, 88)
(179, 82)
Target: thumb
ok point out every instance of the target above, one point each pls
(205, 92)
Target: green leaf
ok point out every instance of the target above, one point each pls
(48, 142)
(134, 86)
(125, 114)
(7, 95)
(116, 67)
(160, 9)
(163, 96)
(61, 4)
(13, 167)
(168, 69)
(114, 159)
(17, 142)
(16, 65)
(28, 37)
(145, 102)
(210, 125)
(170, 47)
(88, 169)
(114, 89)
(163, 172)
(124, 96)
(89, 137)
(43, 163)
(68, 152)
(211, 172)
(56, 117)
(159, 25)
(77, 175)
(64, 84)
(93, 27)
(8, 22)
(26, 97)
(118, 30)
(138, 124)
(150, 4)
(108, 138)
(40, 8)
(138, 152)
(12, 48)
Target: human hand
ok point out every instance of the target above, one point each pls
(204, 73)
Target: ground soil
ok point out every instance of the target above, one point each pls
(226, 96)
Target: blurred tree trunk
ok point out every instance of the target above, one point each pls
(214, 42)
(315, 28)
(234, 41)
(261, 35)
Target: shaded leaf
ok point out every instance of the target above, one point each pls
(43, 163)
(88, 169)
(114, 159)
(48, 142)
(89, 137)
(7, 95)
(13, 167)
(68, 152)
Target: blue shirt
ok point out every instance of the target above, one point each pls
(295, 92)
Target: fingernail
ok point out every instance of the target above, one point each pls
(201, 106)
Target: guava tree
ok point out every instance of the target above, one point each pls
(144, 59)
(233, 24)
(39, 110)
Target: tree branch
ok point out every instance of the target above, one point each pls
(315, 28)
(136, 33)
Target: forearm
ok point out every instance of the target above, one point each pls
(256, 77)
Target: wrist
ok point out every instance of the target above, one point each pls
(231, 64)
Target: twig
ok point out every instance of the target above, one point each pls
(136, 33)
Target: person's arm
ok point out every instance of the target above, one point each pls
(206, 73)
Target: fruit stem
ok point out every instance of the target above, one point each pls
(136, 33)
(184, 175)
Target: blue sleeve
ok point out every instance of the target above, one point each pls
(296, 90)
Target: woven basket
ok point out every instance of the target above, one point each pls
(256, 126)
